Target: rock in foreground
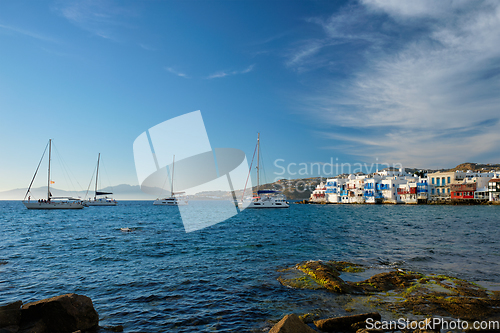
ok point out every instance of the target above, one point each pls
(400, 292)
(61, 314)
(344, 323)
(10, 314)
(291, 324)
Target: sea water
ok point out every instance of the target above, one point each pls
(158, 278)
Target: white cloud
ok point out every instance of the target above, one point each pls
(431, 99)
(147, 47)
(175, 72)
(28, 33)
(228, 73)
(104, 18)
(299, 56)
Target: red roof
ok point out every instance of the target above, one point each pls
(495, 180)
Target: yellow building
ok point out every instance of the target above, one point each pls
(439, 183)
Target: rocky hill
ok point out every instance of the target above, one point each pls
(475, 167)
(294, 189)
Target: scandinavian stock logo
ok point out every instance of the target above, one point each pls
(177, 152)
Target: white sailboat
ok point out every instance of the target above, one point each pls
(51, 202)
(264, 198)
(100, 201)
(173, 200)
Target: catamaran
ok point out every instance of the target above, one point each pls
(51, 202)
(100, 201)
(264, 198)
(173, 200)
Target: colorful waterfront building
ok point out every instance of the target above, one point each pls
(473, 186)
(397, 186)
(334, 186)
(407, 193)
(371, 192)
(319, 194)
(494, 189)
(440, 183)
(463, 191)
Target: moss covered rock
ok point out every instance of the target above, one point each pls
(397, 291)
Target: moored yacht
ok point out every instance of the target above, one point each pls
(98, 200)
(264, 198)
(51, 202)
(267, 199)
(174, 199)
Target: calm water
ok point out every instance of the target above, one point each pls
(223, 278)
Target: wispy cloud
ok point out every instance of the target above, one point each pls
(426, 87)
(175, 72)
(28, 33)
(349, 26)
(103, 18)
(147, 47)
(228, 73)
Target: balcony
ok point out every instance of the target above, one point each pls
(463, 187)
(411, 190)
(383, 187)
(422, 188)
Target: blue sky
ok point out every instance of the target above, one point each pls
(414, 82)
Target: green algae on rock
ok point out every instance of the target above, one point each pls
(398, 291)
(326, 275)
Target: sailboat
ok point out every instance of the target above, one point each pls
(100, 201)
(264, 198)
(173, 200)
(51, 202)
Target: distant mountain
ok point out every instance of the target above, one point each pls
(294, 189)
(120, 192)
(476, 167)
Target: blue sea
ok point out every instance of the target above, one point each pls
(158, 278)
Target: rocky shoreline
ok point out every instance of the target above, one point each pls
(69, 313)
(392, 294)
(471, 202)
(373, 300)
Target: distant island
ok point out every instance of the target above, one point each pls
(294, 189)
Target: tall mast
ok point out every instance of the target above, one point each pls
(97, 176)
(172, 182)
(48, 182)
(258, 161)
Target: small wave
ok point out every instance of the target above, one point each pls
(421, 258)
(387, 263)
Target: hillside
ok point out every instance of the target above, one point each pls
(121, 192)
(294, 189)
(475, 167)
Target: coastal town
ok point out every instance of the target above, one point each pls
(396, 186)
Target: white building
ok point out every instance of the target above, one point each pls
(381, 187)
(396, 186)
(494, 189)
(318, 195)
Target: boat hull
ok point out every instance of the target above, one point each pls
(53, 205)
(100, 202)
(263, 204)
(167, 202)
